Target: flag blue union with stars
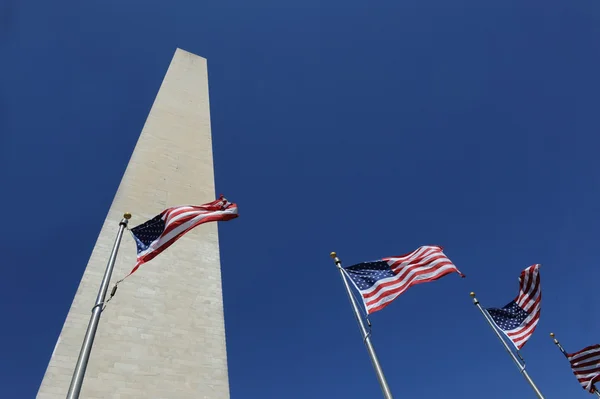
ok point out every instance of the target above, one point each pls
(509, 317)
(366, 274)
(148, 232)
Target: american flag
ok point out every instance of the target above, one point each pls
(382, 281)
(586, 366)
(519, 318)
(160, 232)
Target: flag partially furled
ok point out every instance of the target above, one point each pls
(519, 318)
(160, 232)
(586, 366)
(382, 281)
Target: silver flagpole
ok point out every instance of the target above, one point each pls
(512, 355)
(88, 341)
(387, 394)
(567, 356)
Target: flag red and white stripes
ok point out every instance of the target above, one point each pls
(586, 366)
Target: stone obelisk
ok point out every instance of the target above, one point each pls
(163, 333)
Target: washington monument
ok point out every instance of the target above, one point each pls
(163, 333)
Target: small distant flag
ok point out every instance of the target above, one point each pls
(586, 366)
(160, 232)
(519, 318)
(380, 282)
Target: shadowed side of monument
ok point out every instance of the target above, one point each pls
(163, 334)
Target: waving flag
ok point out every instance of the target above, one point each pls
(160, 232)
(519, 318)
(382, 281)
(586, 366)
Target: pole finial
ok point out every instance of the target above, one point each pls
(333, 255)
(472, 294)
(552, 335)
(127, 215)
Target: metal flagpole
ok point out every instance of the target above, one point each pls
(564, 352)
(510, 352)
(88, 341)
(387, 394)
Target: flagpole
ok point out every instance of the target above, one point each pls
(387, 394)
(564, 352)
(88, 341)
(512, 355)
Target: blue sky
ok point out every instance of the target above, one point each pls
(368, 128)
